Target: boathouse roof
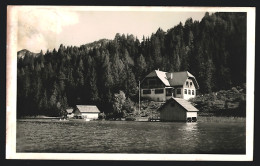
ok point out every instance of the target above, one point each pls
(182, 102)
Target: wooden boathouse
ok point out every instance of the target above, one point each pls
(177, 109)
(86, 111)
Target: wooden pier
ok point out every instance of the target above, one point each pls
(154, 119)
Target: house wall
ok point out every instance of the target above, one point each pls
(172, 111)
(151, 83)
(168, 97)
(90, 115)
(155, 97)
(189, 87)
(70, 115)
(176, 90)
(191, 114)
(169, 92)
(77, 112)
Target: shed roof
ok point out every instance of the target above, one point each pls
(69, 110)
(88, 108)
(182, 102)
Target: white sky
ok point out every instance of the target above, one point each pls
(48, 27)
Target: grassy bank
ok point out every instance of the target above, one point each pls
(224, 103)
(38, 117)
(221, 119)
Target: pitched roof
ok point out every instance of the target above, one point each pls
(88, 108)
(161, 75)
(182, 102)
(70, 110)
(179, 78)
(185, 104)
(174, 78)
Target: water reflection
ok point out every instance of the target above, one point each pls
(190, 135)
(188, 127)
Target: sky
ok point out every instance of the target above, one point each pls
(42, 28)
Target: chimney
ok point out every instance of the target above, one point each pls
(158, 69)
(171, 75)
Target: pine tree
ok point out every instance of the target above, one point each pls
(141, 67)
(213, 50)
(91, 81)
(118, 74)
(43, 104)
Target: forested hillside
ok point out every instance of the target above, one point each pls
(213, 50)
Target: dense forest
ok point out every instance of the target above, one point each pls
(213, 50)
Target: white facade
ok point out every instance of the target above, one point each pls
(89, 115)
(86, 111)
(189, 90)
(191, 114)
(161, 86)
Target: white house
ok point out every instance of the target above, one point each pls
(70, 113)
(86, 111)
(161, 86)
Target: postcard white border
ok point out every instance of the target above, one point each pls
(11, 82)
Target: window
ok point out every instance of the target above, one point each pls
(158, 91)
(178, 91)
(168, 92)
(146, 91)
(192, 92)
(190, 84)
(189, 92)
(185, 91)
(187, 83)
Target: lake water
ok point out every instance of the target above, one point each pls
(130, 137)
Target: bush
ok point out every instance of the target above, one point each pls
(222, 103)
(130, 118)
(102, 115)
(128, 105)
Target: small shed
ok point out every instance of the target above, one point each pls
(87, 111)
(177, 109)
(70, 113)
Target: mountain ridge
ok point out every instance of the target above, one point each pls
(23, 52)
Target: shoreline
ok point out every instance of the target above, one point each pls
(200, 119)
(39, 117)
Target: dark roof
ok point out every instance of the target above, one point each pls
(179, 78)
(182, 102)
(88, 108)
(173, 78)
(69, 110)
